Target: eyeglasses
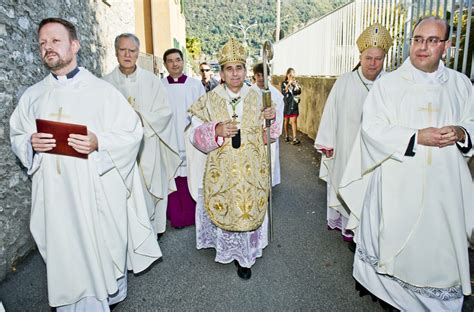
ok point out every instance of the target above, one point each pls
(205, 70)
(431, 41)
(124, 51)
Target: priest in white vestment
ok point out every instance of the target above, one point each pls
(87, 220)
(229, 171)
(342, 116)
(183, 91)
(158, 158)
(277, 101)
(408, 184)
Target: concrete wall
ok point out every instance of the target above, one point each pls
(315, 91)
(20, 67)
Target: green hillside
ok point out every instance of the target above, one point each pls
(209, 22)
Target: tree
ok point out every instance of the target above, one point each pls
(193, 46)
(208, 21)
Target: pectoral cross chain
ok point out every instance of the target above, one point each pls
(430, 110)
(233, 103)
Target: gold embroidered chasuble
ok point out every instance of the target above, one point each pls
(235, 180)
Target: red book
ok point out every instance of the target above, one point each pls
(61, 132)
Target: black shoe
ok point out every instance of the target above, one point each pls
(287, 139)
(243, 273)
(361, 289)
(352, 246)
(179, 227)
(296, 142)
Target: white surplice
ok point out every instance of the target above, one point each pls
(277, 100)
(414, 221)
(158, 158)
(181, 96)
(83, 216)
(339, 125)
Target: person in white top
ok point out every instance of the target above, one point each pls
(86, 212)
(183, 91)
(409, 187)
(341, 120)
(158, 158)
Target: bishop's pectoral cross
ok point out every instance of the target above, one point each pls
(59, 115)
(236, 139)
(233, 103)
(234, 119)
(430, 110)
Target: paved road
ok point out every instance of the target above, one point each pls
(306, 268)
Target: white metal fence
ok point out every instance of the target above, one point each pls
(327, 46)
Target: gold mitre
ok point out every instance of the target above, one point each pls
(232, 52)
(375, 36)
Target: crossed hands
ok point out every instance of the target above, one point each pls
(84, 144)
(440, 137)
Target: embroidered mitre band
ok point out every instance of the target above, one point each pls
(375, 36)
(232, 52)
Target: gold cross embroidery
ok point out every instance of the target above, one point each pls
(59, 115)
(430, 110)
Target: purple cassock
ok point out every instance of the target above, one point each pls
(181, 206)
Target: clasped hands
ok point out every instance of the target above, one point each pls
(84, 144)
(440, 137)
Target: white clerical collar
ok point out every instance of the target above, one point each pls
(367, 82)
(362, 77)
(68, 78)
(223, 92)
(232, 94)
(436, 77)
(130, 76)
(69, 75)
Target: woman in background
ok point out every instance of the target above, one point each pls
(291, 91)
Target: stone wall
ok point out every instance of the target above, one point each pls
(97, 23)
(315, 91)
